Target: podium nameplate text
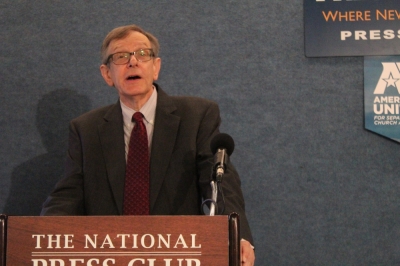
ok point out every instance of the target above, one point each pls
(121, 240)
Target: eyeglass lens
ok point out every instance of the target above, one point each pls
(141, 55)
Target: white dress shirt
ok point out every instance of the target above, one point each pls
(149, 112)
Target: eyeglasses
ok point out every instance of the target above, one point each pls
(122, 58)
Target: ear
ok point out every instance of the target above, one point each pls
(156, 67)
(105, 72)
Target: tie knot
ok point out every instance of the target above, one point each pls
(137, 117)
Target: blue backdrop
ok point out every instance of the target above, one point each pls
(319, 188)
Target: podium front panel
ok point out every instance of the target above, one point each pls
(118, 240)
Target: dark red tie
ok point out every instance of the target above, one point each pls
(136, 191)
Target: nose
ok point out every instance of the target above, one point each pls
(132, 61)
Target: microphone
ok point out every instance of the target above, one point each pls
(222, 146)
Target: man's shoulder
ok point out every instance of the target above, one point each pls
(186, 106)
(95, 114)
(192, 106)
(184, 99)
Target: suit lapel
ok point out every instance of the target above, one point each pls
(111, 135)
(112, 141)
(165, 130)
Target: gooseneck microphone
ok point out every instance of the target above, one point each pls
(222, 146)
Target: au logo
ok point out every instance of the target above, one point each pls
(382, 95)
(390, 77)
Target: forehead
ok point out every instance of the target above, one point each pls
(133, 40)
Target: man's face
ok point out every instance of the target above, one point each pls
(133, 80)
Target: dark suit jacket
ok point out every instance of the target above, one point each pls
(180, 164)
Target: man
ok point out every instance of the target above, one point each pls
(179, 131)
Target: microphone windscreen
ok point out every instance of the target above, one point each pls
(222, 141)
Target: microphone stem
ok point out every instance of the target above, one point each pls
(214, 188)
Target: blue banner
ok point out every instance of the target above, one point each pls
(382, 95)
(351, 28)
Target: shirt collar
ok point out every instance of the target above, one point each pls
(148, 110)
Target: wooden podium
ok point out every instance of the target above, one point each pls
(120, 240)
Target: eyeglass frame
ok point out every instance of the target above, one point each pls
(130, 55)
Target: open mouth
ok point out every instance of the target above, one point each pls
(133, 77)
